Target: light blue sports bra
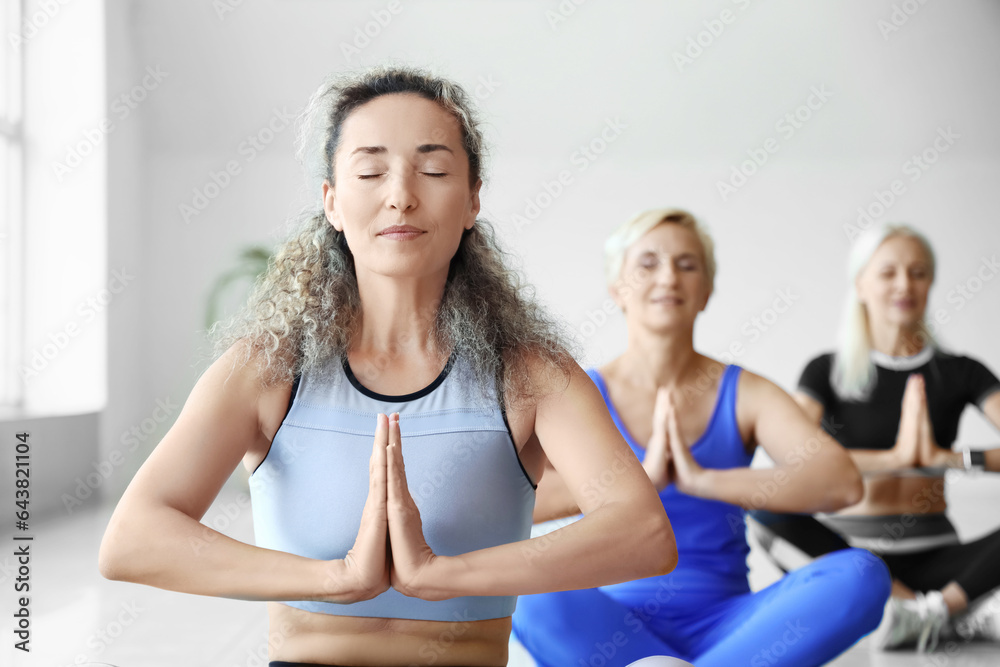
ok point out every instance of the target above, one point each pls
(462, 470)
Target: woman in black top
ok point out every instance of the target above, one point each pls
(894, 399)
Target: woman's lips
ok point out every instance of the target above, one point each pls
(400, 236)
(401, 232)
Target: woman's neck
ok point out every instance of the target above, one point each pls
(655, 360)
(399, 316)
(897, 341)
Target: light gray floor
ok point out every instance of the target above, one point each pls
(77, 616)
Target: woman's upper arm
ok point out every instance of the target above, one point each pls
(584, 446)
(216, 426)
(991, 408)
(789, 428)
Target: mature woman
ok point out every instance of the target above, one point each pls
(695, 423)
(387, 330)
(894, 399)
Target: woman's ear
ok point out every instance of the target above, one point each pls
(330, 206)
(618, 295)
(858, 290)
(708, 296)
(473, 205)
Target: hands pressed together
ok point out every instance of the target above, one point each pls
(915, 444)
(668, 458)
(390, 549)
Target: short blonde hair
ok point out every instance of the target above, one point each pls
(622, 239)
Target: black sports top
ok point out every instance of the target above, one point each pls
(952, 382)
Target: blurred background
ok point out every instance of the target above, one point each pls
(145, 146)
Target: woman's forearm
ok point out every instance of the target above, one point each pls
(993, 460)
(782, 489)
(609, 545)
(874, 460)
(165, 548)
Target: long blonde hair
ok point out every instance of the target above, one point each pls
(852, 373)
(306, 308)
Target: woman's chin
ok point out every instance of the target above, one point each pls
(667, 323)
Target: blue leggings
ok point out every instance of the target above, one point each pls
(807, 618)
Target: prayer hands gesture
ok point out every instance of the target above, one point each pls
(668, 458)
(915, 444)
(390, 548)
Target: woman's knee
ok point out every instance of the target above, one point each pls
(867, 581)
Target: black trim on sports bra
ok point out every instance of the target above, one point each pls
(291, 399)
(405, 397)
(503, 412)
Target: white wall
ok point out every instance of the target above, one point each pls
(545, 91)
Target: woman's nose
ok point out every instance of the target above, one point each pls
(401, 195)
(666, 274)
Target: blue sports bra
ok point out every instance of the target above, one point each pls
(710, 534)
(462, 470)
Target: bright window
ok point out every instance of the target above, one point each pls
(11, 195)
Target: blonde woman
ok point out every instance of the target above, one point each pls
(394, 396)
(695, 422)
(893, 398)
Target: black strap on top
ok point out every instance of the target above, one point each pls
(295, 388)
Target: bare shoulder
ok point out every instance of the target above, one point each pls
(547, 383)
(757, 390)
(269, 402)
(757, 397)
(232, 393)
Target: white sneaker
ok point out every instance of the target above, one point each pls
(921, 621)
(981, 620)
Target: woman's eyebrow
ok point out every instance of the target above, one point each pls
(430, 148)
(368, 150)
(376, 150)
